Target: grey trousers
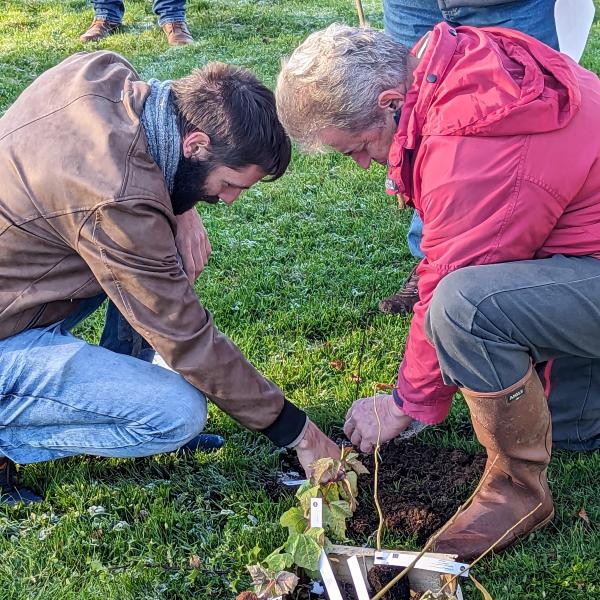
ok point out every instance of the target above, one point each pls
(489, 322)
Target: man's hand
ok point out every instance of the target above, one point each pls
(314, 445)
(362, 427)
(192, 243)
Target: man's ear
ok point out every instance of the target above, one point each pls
(391, 99)
(196, 145)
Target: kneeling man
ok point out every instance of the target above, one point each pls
(100, 170)
(488, 134)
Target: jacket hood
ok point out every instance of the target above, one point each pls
(483, 82)
(492, 81)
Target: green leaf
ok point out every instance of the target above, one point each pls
(317, 534)
(294, 520)
(305, 486)
(332, 491)
(352, 479)
(307, 495)
(305, 550)
(279, 561)
(355, 464)
(334, 518)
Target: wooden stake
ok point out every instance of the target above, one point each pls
(361, 13)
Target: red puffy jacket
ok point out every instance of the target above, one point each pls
(498, 149)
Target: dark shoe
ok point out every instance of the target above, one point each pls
(207, 442)
(178, 33)
(403, 301)
(515, 428)
(9, 494)
(99, 29)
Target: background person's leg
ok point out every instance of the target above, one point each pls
(407, 21)
(171, 17)
(60, 397)
(108, 16)
(533, 17)
(111, 10)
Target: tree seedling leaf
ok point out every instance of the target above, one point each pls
(306, 496)
(285, 583)
(305, 550)
(294, 520)
(279, 561)
(334, 517)
(321, 467)
(352, 461)
(260, 577)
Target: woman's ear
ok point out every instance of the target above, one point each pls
(196, 145)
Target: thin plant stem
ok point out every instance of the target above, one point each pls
(435, 536)
(376, 478)
(484, 554)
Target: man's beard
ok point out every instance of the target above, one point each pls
(189, 185)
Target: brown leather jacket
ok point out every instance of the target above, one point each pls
(85, 209)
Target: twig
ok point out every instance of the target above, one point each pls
(376, 478)
(167, 568)
(361, 13)
(435, 536)
(494, 544)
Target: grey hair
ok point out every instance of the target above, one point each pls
(334, 78)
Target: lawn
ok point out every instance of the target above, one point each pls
(296, 272)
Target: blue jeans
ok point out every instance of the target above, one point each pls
(168, 11)
(60, 396)
(408, 20)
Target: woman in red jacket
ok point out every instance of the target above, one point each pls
(487, 133)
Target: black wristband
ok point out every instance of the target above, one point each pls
(287, 426)
(399, 402)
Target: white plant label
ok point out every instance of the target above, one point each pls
(427, 563)
(357, 578)
(331, 585)
(316, 512)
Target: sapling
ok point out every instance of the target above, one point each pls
(335, 481)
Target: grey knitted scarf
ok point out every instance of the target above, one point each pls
(159, 121)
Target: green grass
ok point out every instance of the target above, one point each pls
(297, 266)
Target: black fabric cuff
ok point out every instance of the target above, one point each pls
(287, 426)
(399, 402)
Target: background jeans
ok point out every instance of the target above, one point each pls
(60, 396)
(408, 20)
(168, 11)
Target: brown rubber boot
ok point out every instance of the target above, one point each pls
(178, 33)
(515, 428)
(403, 301)
(99, 29)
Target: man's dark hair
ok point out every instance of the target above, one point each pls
(238, 113)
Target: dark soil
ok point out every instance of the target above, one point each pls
(420, 488)
(380, 576)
